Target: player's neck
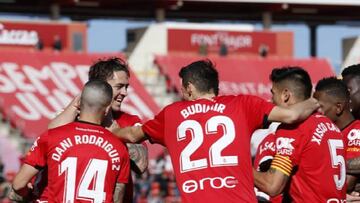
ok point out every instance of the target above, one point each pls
(344, 120)
(90, 118)
(208, 96)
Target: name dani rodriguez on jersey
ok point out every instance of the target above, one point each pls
(67, 143)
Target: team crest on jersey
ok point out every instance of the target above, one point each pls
(284, 145)
(354, 137)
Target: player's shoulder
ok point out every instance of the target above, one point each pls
(356, 124)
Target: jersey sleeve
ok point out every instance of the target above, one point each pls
(257, 110)
(287, 150)
(352, 142)
(154, 128)
(136, 121)
(36, 156)
(124, 167)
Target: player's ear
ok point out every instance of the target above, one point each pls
(190, 89)
(340, 107)
(285, 95)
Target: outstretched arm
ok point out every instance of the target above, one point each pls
(295, 113)
(68, 115)
(138, 157)
(133, 134)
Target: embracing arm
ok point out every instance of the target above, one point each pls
(271, 182)
(68, 115)
(133, 134)
(119, 193)
(295, 113)
(138, 157)
(353, 166)
(22, 178)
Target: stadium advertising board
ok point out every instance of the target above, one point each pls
(247, 75)
(28, 34)
(183, 40)
(35, 86)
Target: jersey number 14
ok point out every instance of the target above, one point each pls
(95, 170)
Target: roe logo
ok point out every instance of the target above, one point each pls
(191, 186)
(354, 137)
(284, 145)
(335, 200)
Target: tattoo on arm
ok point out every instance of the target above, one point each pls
(353, 166)
(119, 193)
(138, 157)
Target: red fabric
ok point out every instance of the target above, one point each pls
(65, 149)
(209, 139)
(37, 85)
(266, 150)
(308, 145)
(352, 139)
(246, 75)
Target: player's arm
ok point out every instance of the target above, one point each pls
(353, 197)
(133, 134)
(271, 182)
(119, 193)
(351, 181)
(68, 115)
(19, 189)
(353, 166)
(274, 180)
(295, 113)
(138, 157)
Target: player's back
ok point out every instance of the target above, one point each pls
(85, 161)
(317, 152)
(209, 144)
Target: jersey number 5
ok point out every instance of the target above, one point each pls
(197, 138)
(95, 170)
(337, 160)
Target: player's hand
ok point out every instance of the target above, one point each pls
(30, 186)
(75, 103)
(353, 197)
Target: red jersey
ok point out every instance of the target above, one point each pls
(84, 161)
(351, 135)
(265, 152)
(316, 148)
(209, 145)
(125, 120)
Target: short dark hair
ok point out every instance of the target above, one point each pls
(334, 87)
(353, 70)
(296, 77)
(104, 69)
(202, 74)
(96, 94)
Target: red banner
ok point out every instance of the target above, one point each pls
(34, 86)
(181, 40)
(28, 34)
(245, 75)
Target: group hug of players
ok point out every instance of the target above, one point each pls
(312, 156)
